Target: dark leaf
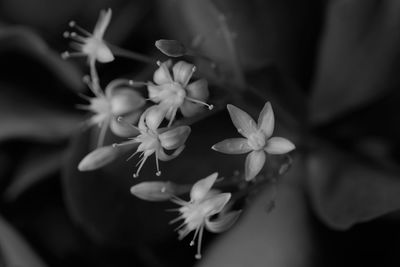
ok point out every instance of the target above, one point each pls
(359, 56)
(15, 250)
(346, 190)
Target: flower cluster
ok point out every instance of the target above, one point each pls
(153, 126)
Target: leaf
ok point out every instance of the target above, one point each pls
(34, 166)
(346, 190)
(279, 32)
(15, 250)
(27, 115)
(279, 238)
(358, 58)
(23, 40)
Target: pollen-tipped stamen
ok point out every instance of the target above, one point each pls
(209, 106)
(141, 161)
(158, 173)
(74, 25)
(198, 255)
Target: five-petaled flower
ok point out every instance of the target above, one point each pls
(117, 100)
(153, 140)
(173, 92)
(89, 44)
(196, 214)
(257, 139)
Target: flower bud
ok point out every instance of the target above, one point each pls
(153, 191)
(98, 158)
(171, 48)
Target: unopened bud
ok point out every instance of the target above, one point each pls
(153, 191)
(171, 48)
(98, 158)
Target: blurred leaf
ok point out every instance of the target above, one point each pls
(28, 115)
(15, 250)
(346, 190)
(34, 166)
(359, 56)
(281, 32)
(23, 40)
(279, 238)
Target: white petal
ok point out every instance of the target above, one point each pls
(279, 145)
(154, 116)
(162, 74)
(254, 163)
(242, 121)
(182, 72)
(125, 100)
(223, 222)
(232, 146)
(165, 157)
(198, 90)
(102, 23)
(215, 204)
(202, 187)
(174, 138)
(103, 53)
(123, 129)
(266, 120)
(189, 109)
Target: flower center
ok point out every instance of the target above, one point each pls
(256, 140)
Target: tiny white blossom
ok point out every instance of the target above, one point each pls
(173, 92)
(89, 44)
(153, 140)
(118, 100)
(196, 213)
(257, 139)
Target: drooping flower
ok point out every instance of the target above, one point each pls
(153, 140)
(196, 214)
(257, 139)
(173, 91)
(118, 100)
(89, 44)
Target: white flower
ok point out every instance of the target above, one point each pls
(257, 139)
(173, 92)
(196, 213)
(153, 140)
(89, 44)
(118, 100)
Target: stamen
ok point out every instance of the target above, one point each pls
(66, 54)
(198, 255)
(143, 160)
(122, 120)
(158, 63)
(210, 107)
(73, 24)
(158, 173)
(66, 34)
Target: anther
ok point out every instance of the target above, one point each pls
(135, 175)
(65, 55)
(66, 34)
(158, 63)
(130, 82)
(73, 34)
(158, 173)
(191, 243)
(198, 256)
(210, 107)
(115, 145)
(194, 69)
(72, 23)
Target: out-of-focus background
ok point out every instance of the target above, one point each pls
(331, 70)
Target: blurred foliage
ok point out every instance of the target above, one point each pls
(328, 67)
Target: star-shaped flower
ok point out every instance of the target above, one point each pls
(118, 100)
(257, 139)
(173, 92)
(196, 213)
(153, 140)
(89, 44)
